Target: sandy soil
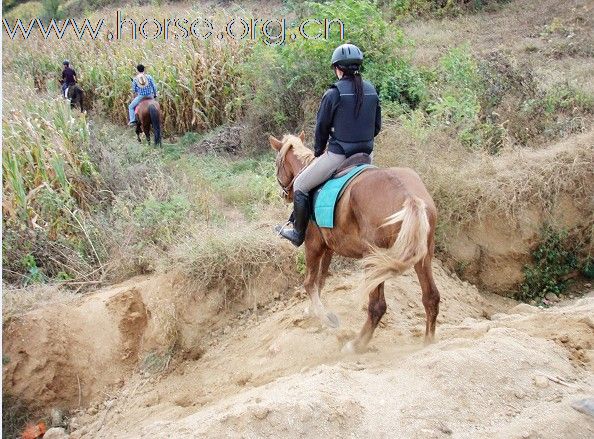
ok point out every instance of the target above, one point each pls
(264, 369)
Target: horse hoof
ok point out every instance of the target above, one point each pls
(349, 348)
(428, 341)
(332, 320)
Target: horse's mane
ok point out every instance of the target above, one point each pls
(301, 151)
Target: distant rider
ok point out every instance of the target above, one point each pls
(348, 120)
(68, 77)
(144, 87)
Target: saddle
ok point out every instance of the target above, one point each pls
(326, 196)
(142, 102)
(358, 159)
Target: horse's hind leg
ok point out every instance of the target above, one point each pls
(430, 295)
(375, 310)
(314, 253)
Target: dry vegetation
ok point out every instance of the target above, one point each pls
(85, 204)
(470, 186)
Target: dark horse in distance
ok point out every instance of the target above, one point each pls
(148, 113)
(75, 94)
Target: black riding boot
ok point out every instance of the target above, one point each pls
(301, 213)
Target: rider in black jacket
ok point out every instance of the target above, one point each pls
(348, 120)
(68, 76)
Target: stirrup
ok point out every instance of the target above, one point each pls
(278, 229)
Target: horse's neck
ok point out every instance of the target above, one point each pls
(295, 163)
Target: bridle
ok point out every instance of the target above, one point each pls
(280, 164)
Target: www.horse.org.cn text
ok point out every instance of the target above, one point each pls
(274, 31)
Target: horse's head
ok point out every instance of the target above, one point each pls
(292, 156)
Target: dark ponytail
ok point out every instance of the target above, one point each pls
(352, 73)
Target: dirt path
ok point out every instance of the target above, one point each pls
(498, 370)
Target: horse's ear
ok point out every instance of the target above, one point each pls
(302, 136)
(275, 143)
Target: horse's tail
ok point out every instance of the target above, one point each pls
(82, 98)
(155, 122)
(410, 246)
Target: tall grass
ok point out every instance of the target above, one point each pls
(469, 186)
(436, 8)
(232, 260)
(49, 182)
(86, 203)
(45, 158)
(198, 81)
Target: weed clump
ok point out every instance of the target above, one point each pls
(553, 261)
(232, 260)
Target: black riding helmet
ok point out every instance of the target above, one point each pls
(66, 62)
(347, 55)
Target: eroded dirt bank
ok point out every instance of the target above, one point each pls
(498, 370)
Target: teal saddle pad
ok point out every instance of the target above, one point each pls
(326, 197)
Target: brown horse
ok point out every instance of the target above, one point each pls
(148, 113)
(386, 217)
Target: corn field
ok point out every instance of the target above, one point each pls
(198, 82)
(44, 144)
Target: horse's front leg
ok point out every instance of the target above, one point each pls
(321, 281)
(315, 250)
(324, 267)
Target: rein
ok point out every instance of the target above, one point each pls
(280, 163)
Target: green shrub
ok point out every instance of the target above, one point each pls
(399, 84)
(35, 275)
(567, 98)
(486, 136)
(436, 8)
(159, 220)
(553, 260)
(288, 81)
(457, 93)
(51, 10)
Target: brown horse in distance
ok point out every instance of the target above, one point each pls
(148, 113)
(386, 217)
